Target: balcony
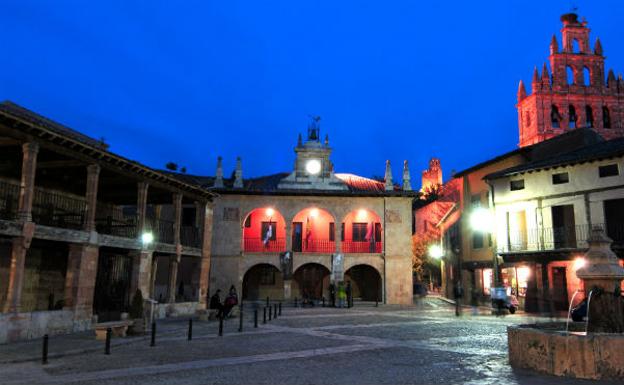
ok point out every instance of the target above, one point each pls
(317, 246)
(557, 238)
(257, 245)
(361, 247)
(162, 229)
(189, 236)
(58, 210)
(125, 226)
(9, 200)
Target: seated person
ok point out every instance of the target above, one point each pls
(215, 303)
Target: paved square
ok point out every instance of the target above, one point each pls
(364, 345)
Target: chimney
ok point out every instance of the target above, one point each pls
(238, 174)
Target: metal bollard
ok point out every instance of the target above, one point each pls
(153, 340)
(221, 326)
(270, 313)
(323, 302)
(267, 301)
(44, 355)
(109, 331)
(256, 318)
(264, 315)
(275, 311)
(280, 309)
(240, 322)
(190, 329)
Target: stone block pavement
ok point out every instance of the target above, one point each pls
(423, 344)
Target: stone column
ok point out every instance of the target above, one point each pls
(82, 263)
(288, 234)
(177, 213)
(337, 237)
(27, 187)
(204, 274)
(141, 272)
(173, 276)
(16, 275)
(142, 188)
(152, 290)
(93, 174)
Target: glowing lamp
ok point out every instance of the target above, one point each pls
(481, 220)
(147, 238)
(579, 263)
(270, 212)
(313, 166)
(362, 214)
(436, 251)
(314, 213)
(523, 274)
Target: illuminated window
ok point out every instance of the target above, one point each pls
(487, 281)
(523, 274)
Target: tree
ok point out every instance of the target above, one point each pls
(171, 166)
(420, 248)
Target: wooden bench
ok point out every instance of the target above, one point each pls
(118, 328)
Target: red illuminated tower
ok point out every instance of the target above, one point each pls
(575, 93)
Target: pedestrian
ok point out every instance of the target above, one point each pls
(332, 294)
(349, 294)
(215, 303)
(230, 301)
(342, 295)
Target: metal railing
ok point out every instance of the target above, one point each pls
(557, 238)
(317, 246)
(361, 247)
(189, 236)
(9, 199)
(162, 229)
(257, 245)
(58, 210)
(119, 225)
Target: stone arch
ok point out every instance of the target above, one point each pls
(311, 281)
(555, 116)
(262, 280)
(313, 231)
(589, 116)
(575, 45)
(570, 75)
(572, 117)
(586, 76)
(362, 231)
(366, 282)
(264, 230)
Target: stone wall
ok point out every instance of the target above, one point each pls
(20, 326)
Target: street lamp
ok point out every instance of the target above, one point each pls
(147, 238)
(436, 251)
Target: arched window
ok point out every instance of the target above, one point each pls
(572, 116)
(570, 75)
(606, 117)
(586, 76)
(589, 117)
(575, 46)
(555, 117)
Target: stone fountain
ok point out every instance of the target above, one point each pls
(596, 352)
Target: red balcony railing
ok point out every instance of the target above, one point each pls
(257, 245)
(361, 247)
(318, 246)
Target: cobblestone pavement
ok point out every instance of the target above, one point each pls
(423, 344)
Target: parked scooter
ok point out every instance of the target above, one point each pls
(502, 300)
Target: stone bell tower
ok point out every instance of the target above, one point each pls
(313, 168)
(574, 92)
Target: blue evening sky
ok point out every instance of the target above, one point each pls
(186, 81)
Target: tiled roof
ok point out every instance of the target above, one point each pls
(360, 183)
(34, 118)
(592, 152)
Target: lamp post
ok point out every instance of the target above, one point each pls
(482, 220)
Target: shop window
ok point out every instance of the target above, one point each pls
(560, 178)
(523, 274)
(608, 170)
(487, 281)
(515, 185)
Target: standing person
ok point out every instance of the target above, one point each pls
(230, 301)
(342, 295)
(332, 294)
(349, 294)
(215, 303)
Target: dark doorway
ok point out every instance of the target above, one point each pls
(297, 243)
(312, 279)
(614, 218)
(560, 288)
(365, 282)
(564, 229)
(263, 281)
(112, 285)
